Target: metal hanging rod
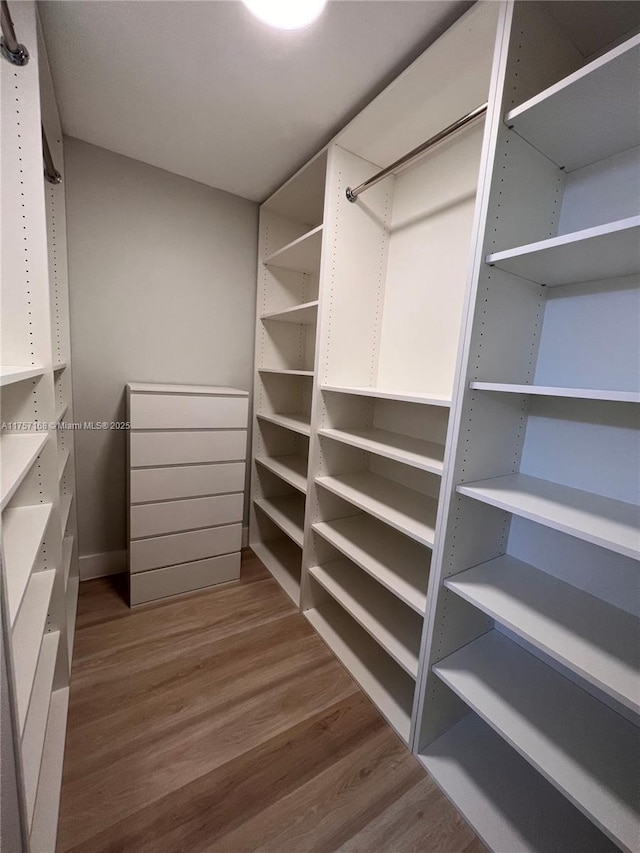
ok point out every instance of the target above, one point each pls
(16, 53)
(51, 174)
(352, 194)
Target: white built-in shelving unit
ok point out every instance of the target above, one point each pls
(350, 439)
(446, 475)
(530, 691)
(38, 542)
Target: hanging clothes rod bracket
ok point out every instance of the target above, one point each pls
(13, 52)
(408, 159)
(51, 174)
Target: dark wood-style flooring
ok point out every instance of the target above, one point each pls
(221, 722)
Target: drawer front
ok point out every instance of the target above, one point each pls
(148, 586)
(159, 484)
(183, 448)
(145, 554)
(172, 516)
(181, 411)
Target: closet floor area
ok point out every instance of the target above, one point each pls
(220, 722)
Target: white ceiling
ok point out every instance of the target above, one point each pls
(205, 90)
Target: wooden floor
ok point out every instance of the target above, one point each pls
(221, 722)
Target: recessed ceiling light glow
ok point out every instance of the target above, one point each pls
(286, 14)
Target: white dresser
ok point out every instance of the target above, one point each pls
(187, 460)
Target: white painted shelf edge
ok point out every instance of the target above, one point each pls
(290, 468)
(286, 371)
(389, 394)
(507, 803)
(583, 748)
(302, 254)
(573, 240)
(557, 391)
(279, 555)
(387, 556)
(19, 452)
(45, 817)
(600, 520)
(582, 632)
(27, 634)
(33, 736)
(65, 510)
(416, 452)
(293, 421)
(286, 513)
(23, 530)
(304, 314)
(67, 550)
(607, 59)
(368, 606)
(10, 373)
(404, 509)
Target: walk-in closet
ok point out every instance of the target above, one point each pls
(320, 457)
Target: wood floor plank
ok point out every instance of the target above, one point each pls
(416, 822)
(214, 804)
(219, 722)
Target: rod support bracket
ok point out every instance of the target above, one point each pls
(350, 196)
(53, 177)
(19, 56)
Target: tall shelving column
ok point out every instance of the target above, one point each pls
(35, 488)
(289, 254)
(530, 700)
(393, 285)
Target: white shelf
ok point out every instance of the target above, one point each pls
(602, 521)
(402, 448)
(59, 366)
(63, 459)
(586, 750)
(390, 394)
(10, 373)
(287, 513)
(61, 411)
(406, 510)
(556, 391)
(590, 115)
(388, 687)
(27, 637)
(594, 254)
(292, 420)
(292, 469)
(305, 314)
(382, 616)
(597, 641)
(72, 609)
(284, 560)
(67, 550)
(284, 372)
(23, 530)
(65, 510)
(36, 724)
(18, 453)
(508, 803)
(398, 563)
(45, 818)
(302, 255)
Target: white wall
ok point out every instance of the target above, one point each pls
(162, 277)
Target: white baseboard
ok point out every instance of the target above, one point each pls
(245, 537)
(99, 565)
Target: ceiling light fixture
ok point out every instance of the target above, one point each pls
(286, 14)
